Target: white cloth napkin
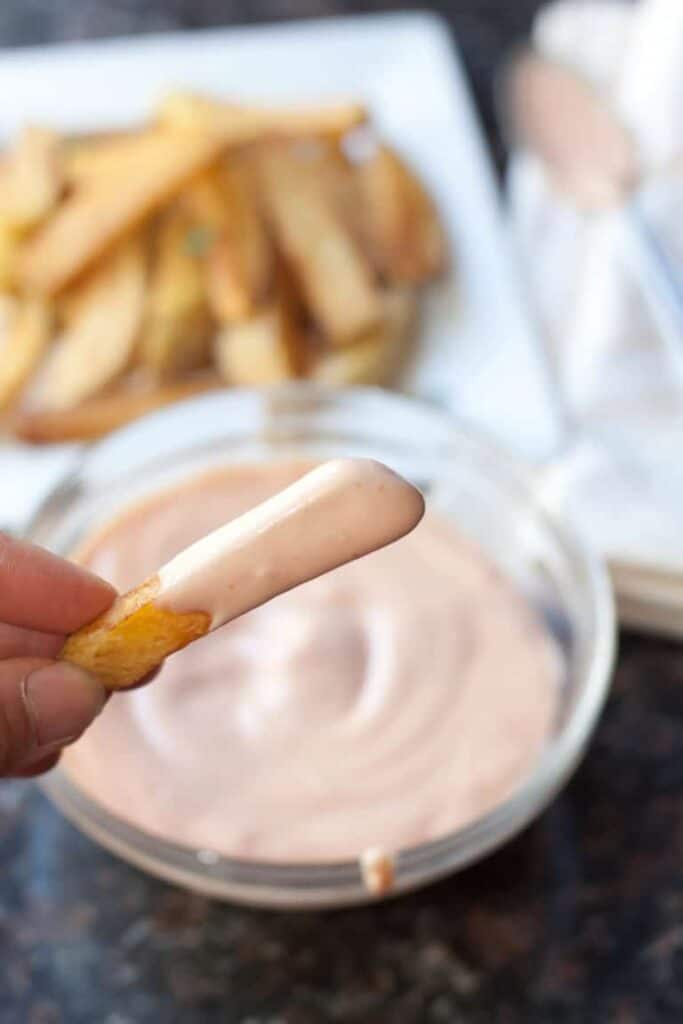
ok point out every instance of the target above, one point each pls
(612, 365)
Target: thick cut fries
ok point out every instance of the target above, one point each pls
(103, 210)
(238, 257)
(110, 158)
(97, 347)
(260, 243)
(100, 415)
(319, 249)
(27, 335)
(89, 160)
(175, 336)
(133, 637)
(96, 216)
(189, 111)
(265, 349)
(9, 306)
(31, 179)
(10, 242)
(239, 266)
(377, 358)
(402, 227)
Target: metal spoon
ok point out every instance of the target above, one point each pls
(591, 157)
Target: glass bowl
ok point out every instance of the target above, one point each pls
(490, 497)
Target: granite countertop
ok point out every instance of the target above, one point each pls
(579, 921)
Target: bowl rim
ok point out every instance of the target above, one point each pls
(314, 885)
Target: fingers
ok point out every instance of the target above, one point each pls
(16, 642)
(43, 706)
(39, 767)
(40, 591)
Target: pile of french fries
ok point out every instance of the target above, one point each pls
(218, 244)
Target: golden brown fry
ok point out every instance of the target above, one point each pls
(238, 257)
(111, 204)
(31, 179)
(320, 251)
(265, 349)
(98, 215)
(405, 237)
(97, 347)
(96, 158)
(10, 246)
(262, 225)
(132, 637)
(110, 158)
(9, 306)
(68, 303)
(376, 358)
(189, 111)
(25, 338)
(100, 415)
(175, 334)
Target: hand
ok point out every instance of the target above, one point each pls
(44, 704)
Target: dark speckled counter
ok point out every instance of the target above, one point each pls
(579, 921)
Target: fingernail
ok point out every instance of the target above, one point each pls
(61, 700)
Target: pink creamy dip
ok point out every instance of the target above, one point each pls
(381, 705)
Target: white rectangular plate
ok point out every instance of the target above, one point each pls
(477, 353)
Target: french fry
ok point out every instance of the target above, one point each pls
(88, 161)
(181, 602)
(255, 219)
(320, 251)
(133, 637)
(26, 336)
(99, 416)
(68, 303)
(97, 348)
(99, 158)
(9, 307)
(111, 205)
(405, 237)
(10, 243)
(193, 112)
(31, 179)
(96, 216)
(263, 350)
(175, 334)
(239, 258)
(376, 358)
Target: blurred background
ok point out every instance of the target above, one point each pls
(485, 28)
(577, 921)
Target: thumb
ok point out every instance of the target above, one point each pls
(43, 706)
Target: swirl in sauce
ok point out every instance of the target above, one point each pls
(382, 705)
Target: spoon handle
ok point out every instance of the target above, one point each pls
(659, 277)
